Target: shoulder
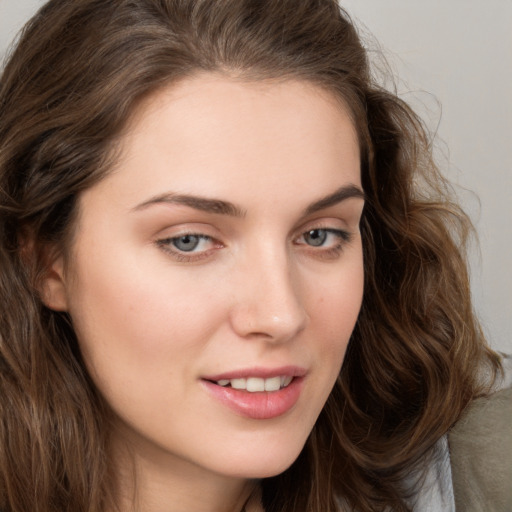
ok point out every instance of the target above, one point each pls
(481, 452)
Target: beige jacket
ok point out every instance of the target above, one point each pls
(472, 471)
(480, 447)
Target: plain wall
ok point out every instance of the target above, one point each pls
(454, 63)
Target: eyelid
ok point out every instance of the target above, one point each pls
(165, 243)
(333, 224)
(342, 234)
(335, 227)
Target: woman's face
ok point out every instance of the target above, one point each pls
(216, 273)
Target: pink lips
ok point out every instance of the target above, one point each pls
(259, 405)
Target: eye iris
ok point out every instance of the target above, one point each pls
(316, 237)
(186, 243)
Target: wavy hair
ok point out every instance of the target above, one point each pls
(68, 88)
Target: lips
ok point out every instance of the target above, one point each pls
(258, 393)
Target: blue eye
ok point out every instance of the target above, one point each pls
(188, 246)
(316, 237)
(187, 243)
(325, 242)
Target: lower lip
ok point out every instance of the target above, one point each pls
(262, 405)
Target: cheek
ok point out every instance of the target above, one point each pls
(337, 303)
(334, 309)
(130, 318)
(141, 340)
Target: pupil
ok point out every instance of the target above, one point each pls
(316, 237)
(186, 243)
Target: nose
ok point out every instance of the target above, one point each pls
(268, 302)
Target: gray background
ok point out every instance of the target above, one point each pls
(454, 63)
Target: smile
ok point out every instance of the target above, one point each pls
(258, 393)
(257, 384)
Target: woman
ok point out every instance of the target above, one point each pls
(207, 210)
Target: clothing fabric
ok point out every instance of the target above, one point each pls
(481, 455)
(473, 472)
(436, 494)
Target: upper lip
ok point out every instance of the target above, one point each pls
(258, 371)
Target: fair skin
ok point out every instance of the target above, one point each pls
(175, 298)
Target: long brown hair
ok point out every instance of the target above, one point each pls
(414, 361)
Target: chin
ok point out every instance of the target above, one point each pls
(266, 463)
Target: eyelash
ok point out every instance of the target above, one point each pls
(183, 256)
(343, 238)
(166, 244)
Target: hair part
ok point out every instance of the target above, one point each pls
(68, 90)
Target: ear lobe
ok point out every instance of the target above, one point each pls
(52, 286)
(50, 280)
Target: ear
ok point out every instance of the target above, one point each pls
(47, 269)
(52, 285)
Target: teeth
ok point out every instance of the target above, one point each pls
(254, 384)
(238, 383)
(273, 384)
(257, 384)
(287, 381)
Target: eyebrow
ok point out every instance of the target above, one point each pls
(340, 195)
(221, 207)
(198, 203)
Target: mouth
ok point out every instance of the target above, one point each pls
(256, 384)
(258, 393)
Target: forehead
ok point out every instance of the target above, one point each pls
(202, 97)
(209, 133)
